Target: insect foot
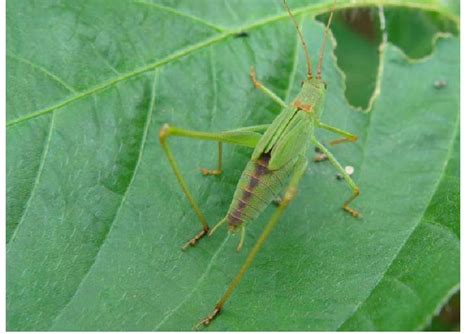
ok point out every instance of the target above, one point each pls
(253, 77)
(192, 242)
(208, 172)
(354, 213)
(207, 320)
(350, 139)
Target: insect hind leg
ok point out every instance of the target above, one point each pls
(194, 240)
(242, 136)
(288, 196)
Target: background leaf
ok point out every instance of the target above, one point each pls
(95, 218)
(358, 36)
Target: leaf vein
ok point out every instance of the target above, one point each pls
(384, 273)
(315, 9)
(42, 70)
(178, 13)
(37, 179)
(170, 313)
(122, 202)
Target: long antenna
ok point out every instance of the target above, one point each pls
(323, 46)
(305, 48)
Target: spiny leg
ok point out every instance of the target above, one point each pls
(354, 188)
(288, 196)
(346, 136)
(218, 170)
(264, 89)
(243, 136)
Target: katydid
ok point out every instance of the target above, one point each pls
(278, 161)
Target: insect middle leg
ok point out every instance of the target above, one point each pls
(288, 196)
(244, 136)
(218, 170)
(354, 188)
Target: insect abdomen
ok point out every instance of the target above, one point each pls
(257, 187)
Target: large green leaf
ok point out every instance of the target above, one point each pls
(95, 216)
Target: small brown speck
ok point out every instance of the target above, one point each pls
(320, 157)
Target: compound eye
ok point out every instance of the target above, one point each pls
(302, 83)
(325, 85)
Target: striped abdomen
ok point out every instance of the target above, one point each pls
(257, 187)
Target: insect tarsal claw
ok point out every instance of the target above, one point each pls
(253, 77)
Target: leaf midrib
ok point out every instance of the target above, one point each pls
(44, 154)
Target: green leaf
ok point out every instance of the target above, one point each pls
(95, 217)
(358, 36)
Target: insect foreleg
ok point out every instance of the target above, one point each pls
(243, 136)
(264, 89)
(347, 136)
(288, 196)
(354, 188)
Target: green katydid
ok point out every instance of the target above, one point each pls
(278, 159)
